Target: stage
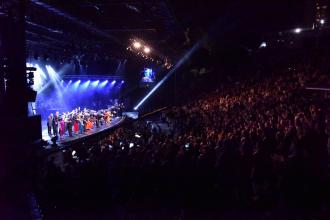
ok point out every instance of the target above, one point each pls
(66, 139)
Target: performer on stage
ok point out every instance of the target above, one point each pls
(76, 127)
(98, 117)
(55, 124)
(81, 124)
(78, 121)
(107, 117)
(62, 128)
(85, 124)
(69, 125)
(89, 125)
(50, 124)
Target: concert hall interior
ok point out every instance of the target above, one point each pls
(164, 109)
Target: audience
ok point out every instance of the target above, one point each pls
(261, 143)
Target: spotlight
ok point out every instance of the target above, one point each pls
(263, 45)
(86, 84)
(322, 21)
(96, 83)
(297, 30)
(104, 83)
(146, 50)
(113, 82)
(137, 45)
(122, 81)
(76, 84)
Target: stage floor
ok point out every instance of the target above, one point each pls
(66, 138)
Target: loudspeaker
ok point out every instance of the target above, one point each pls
(34, 133)
(31, 95)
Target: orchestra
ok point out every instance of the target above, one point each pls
(79, 121)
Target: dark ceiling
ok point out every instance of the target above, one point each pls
(105, 27)
(99, 25)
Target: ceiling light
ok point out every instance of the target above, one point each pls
(147, 50)
(137, 45)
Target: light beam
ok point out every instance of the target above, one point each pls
(173, 70)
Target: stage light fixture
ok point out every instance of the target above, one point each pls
(297, 30)
(113, 82)
(146, 50)
(103, 84)
(263, 45)
(137, 45)
(76, 84)
(322, 21)
(96, 83)
(85, 84)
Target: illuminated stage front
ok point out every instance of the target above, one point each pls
(78, 137)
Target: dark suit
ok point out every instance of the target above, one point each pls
(69, 126)
(55, 125)
(49, 125)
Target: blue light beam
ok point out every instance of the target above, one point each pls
(95, 83)
(103, 84)
(76, 84)
(173, 70)
(85, 84)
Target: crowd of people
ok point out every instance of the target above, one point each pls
(79, 121)
(259, 143)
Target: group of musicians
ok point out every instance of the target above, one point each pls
(78, 121)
